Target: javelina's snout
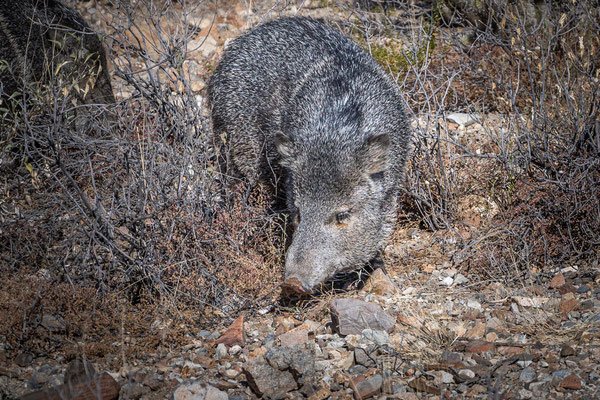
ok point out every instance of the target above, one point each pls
(294, 286)
(303, 272)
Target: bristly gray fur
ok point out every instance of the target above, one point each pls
(296, 97)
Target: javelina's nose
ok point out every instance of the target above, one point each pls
(294, 286)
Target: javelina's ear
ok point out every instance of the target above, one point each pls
(286, 149)
(375, 153)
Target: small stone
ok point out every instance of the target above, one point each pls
(379, 283)
(365, 388)
(195, 390)
(527, 375)
(524, 363)
(298, 359)
(479, 346)
(557, 281)
(53, 323)
(23, 359)
(133, 391)
(268, 381)
(221, 351)
(420, 384)
(364, 357)
(460, 279)
(234, 334)
(462, 119)
(525, 394)
(351, 316)
(449, 357)
(560, 374)
(476, 332)
(568, 303)
(380, 338)
(472, 303)
(447, 281)
(442, 377)
(235, 349)
(571, 382)
(583, 289)
(535, 302)
(566, 350)
(466, 374)
(293, 337)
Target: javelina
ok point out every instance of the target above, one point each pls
(38, 36)
(297, 94)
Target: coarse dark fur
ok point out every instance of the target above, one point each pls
(36, 36)
(296, 94)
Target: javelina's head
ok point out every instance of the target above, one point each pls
(342, 202)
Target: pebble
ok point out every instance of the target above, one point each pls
(448, 281)
(221, 351)
(527, 375)
(466, 374)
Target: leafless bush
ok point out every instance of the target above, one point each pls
(138, 211)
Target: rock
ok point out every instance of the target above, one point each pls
(235, 349)
(557, 281)
(79, 371)
(299, 359)
(535, 302)
(466, 374)
(294, 337)
(351, 316)
(461, 119)
(447, 281)
(527, 375)
(420, 384)
(566, 350)
(267, 381)
(55, 324)
(583, 289)
(525, 394)
(442, 378)
(221, 351)
(234, 334)
(410, 321)
(568, 303)
(379, 338)
(133, 391)
(460, 279)
(23, 359)
(449, 357)
(476, 332)
(365, 388)
(195, 390)
(365, 357)
(479, 346)
(571, 382)
(154, 381)
(379, 283)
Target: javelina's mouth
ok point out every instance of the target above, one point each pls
(294, 287)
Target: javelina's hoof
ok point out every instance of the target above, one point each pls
(293, 286)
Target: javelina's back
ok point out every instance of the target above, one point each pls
(297, 94)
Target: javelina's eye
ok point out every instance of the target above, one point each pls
(342, 217)
(377, 176)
